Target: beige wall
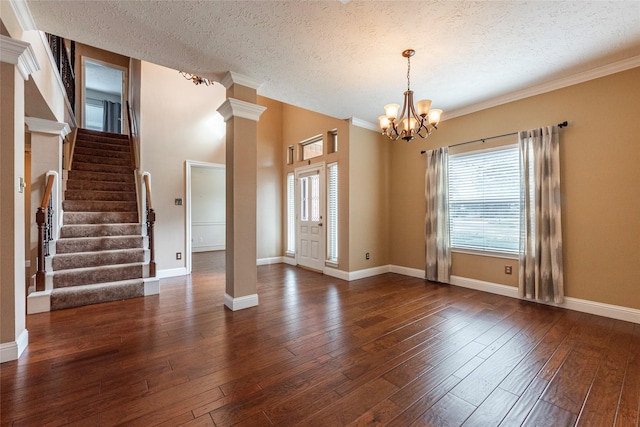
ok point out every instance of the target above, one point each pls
(368, 199)
(178, 122)
(270, 178)
(600, 158)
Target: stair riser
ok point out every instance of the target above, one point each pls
(101, 230)
(74, 297)
(73, 245)
(95, 259)
(73, 218)
(97, 167)
(116, 161)
(99, 176)
(98, 206)
(67, 278)
(113, 196)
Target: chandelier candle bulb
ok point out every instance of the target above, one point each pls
(391, 111)
(419, 120)
(423, 107)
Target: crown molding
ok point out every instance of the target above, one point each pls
(363, 124)
(236, 108)
(35, 124)
(232, 78)
(605, 70)
(23, 15)
(20, 54)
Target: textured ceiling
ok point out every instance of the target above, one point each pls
(343, 58)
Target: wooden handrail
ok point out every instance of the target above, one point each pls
(41, 220)
(134, 163)
(47, 192)
(147, 187)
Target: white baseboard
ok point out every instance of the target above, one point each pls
(240, 303)
(289, 260)
(171, 272)
(334, 272)
(368, 272)
(493, 288)
(39, 302)
(406, 271)
(576, 304)
(268, 261)
(13, 350)
(151, 286)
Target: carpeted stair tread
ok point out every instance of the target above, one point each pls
(101, 176)
(100, 167)
(92, 244)
(102, 150)
(100, 274)
(76, 184)
(77, 296)
(100, 230)
(75, 218)
(99, 258)
(88, 133)
(99, 206)
(112, 196)
(108, 160)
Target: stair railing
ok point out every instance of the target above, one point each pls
(151, 219)
(44, 219)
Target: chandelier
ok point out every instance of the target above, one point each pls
(197, 80)
(421, 122)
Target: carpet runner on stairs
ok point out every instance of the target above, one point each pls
(100, 254)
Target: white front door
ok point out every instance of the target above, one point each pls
(310, 187)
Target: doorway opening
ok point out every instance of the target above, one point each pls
(206, 214)
(103, 96)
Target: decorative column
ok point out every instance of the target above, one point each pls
(241, 114)
(17, 63)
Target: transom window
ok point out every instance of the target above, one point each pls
(312, 147)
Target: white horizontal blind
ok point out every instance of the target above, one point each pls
(332, 203)
(484, 200)
(291, 214)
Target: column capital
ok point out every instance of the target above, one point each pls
(236, 108)
(52, 127)
(232, 78)
(20, 54)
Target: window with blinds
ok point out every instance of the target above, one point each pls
(484, 200)
(332, 212)
(291, 215)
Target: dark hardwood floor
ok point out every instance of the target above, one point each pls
(318, 351)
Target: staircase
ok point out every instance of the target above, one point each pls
(100, 254)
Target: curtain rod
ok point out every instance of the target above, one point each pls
(560, 125)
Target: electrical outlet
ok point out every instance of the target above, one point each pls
(507, 269)
(178, 202)
(366, 256)
(178, 255)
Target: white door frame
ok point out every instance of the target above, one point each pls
(188, 165)
(124, 125)
(301, 172)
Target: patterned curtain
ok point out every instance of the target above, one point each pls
(540, 258)
(437, 216)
